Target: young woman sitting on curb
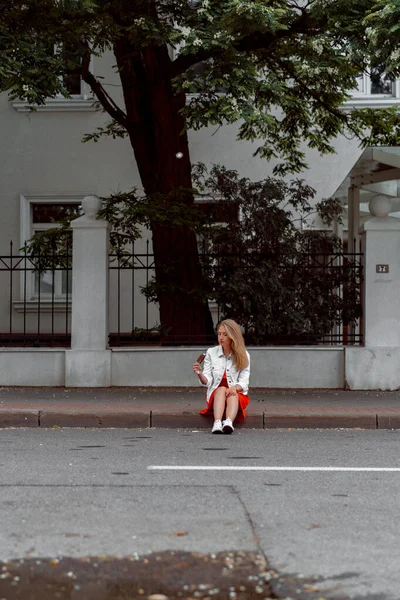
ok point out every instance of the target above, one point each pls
(226, 373)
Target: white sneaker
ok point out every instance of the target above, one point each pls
(217, 427)
(227, 426)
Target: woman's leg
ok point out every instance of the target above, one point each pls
(219, 402)
(232, 407)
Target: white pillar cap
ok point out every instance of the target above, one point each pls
(380, 206)
(91, 206)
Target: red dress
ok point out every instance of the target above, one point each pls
(243, 402)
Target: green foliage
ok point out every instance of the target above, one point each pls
(51, 248)
(279, 282)
(330, 210)
(284, 68)
(130, 213)
(112, 129)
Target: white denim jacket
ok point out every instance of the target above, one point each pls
(215, 365)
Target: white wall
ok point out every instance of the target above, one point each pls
(32, 367)
(325, 173)
(297, 367)
(307, 368)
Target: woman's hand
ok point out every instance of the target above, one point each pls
(232, 391)
(197, 370)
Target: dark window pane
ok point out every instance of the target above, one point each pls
(220, 212)
(72, 83)
(72, 77)
(380, 82)
(53, 213)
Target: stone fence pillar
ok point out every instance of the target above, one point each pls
(88, 363)
(376, 366)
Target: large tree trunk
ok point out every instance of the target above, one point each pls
(162, 155)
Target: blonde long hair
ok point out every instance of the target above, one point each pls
(238, 347)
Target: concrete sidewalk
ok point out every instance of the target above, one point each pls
(179, 407)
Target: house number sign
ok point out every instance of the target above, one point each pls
(382, 268)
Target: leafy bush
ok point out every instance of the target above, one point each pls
(281, 283)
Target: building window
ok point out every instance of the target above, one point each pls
(375, 84)
(81, 97)
(46, 216)
(38, 214)
(72, 81)
(380, 82)
(375, 88)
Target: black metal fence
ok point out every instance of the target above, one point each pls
(35, 301)
(135, 319)
(35, 297)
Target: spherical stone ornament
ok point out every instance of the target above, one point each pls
(91, 206)
(380, 206)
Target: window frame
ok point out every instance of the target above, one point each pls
(48, 301)
(31, 287)
(363, 98)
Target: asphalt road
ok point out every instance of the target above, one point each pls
(81, 492)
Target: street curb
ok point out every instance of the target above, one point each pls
(99, 419)
(191, 420)
(388, 420)
(19, 418)
(336, 421)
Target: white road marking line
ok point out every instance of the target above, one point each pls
(258, 468)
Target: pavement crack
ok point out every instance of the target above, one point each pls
(250, 521)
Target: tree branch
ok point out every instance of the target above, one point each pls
(336, 112)
(104, 98)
